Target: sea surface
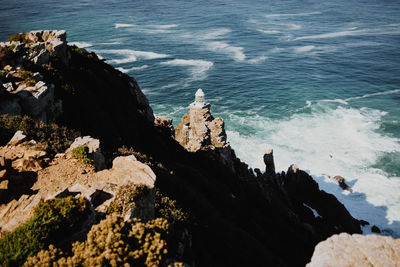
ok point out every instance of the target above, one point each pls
(317, 81)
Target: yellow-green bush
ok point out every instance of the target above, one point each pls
(168, 209)
(18, 37)
(126, 197)
(112, 242)
(52, 220)
(82, 153)
(55, 138)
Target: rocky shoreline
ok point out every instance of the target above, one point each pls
(218, 211)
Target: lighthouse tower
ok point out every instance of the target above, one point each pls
(199, 99)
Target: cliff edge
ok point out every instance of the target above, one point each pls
(228, 215)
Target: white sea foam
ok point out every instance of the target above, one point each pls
(329, 140)
(81, 44)
(133, 68)
(111, 43)
(235, 52)
(151, 28)
(197, 68)
(361, 32)
(338, 100)
(123, 25)
(306, 48)
(389, 92)
(165, 26)
(292, 15)
(215, 34)
(257, 60)
(268, 31)
(130, 55)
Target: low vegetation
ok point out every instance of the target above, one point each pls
(168, 209)
(126, 197)
(56, 139)
(51, 222)
(112, 242)
(82, 153)
(18, 37)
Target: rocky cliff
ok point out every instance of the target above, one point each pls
(228, 215)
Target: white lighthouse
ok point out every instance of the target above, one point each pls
(199, 99)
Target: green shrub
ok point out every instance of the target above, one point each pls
(126, 197)
(168, 209)
(52, 221)
(56, 139)
(82, 153)
(25, 74)
(113, 242)
(18, 37)
(30, 82)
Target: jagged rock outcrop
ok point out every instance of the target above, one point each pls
(357, 250)
(200, 131)
(269, 162)
(302, 188)
(236, 218)
(27, 92)
(30, 178)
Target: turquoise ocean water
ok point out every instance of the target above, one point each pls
(317, 81)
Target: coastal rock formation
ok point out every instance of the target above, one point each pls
(357, 250)
(31, 178)
(228, 215)
(302, 188)
(26, 91)
(199, 129)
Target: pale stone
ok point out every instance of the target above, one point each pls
(92, 143)
(18, 138)
(94, 149)
(356, 250)
(8, 86)
(128, 169)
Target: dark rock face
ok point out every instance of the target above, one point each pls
(238, 219)
(302, 188)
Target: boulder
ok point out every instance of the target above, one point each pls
(92, 143)
(356, 250)
(94, 149)
(18, 138)
(128, 169)
(8, 86)
(38, 101)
